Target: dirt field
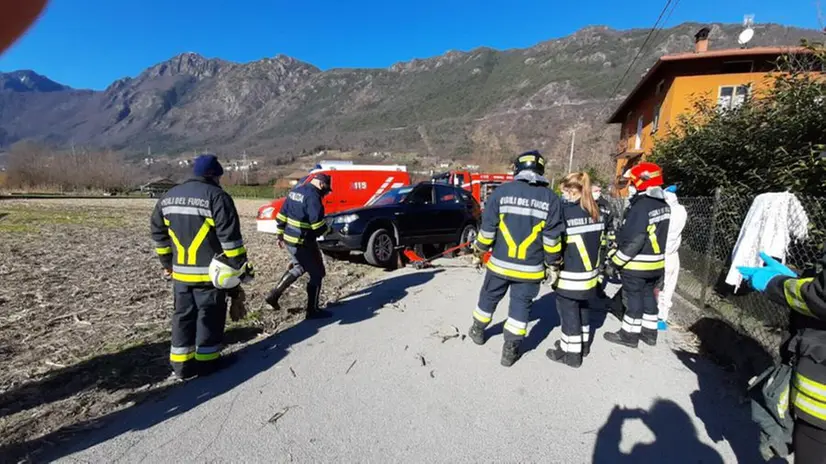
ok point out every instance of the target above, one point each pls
(84, 312)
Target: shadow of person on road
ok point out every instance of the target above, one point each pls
(722, 410)
(545, 313)
(173, 400)
(675, 438)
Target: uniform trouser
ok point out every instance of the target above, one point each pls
(809, 443)
(576, 330)
(308, 259)
(672, 271)
(522, 295)
(197, 328)
(640, 304)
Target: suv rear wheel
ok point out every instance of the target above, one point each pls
(468, 235)
(381, 249)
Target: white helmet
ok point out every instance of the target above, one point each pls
(225, 276)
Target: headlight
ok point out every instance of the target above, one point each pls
(346, 219)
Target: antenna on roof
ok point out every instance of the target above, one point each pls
(748, 33)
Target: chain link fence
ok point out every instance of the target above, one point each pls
(708, 241)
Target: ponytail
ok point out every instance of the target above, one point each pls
(581, 181)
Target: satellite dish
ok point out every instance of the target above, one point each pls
(745, 36)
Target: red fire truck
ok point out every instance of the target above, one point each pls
(353, 186)
(480, 185)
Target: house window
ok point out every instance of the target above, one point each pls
(638, 137)
(655, 124)
(732, 96)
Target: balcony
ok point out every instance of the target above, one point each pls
(626, 148)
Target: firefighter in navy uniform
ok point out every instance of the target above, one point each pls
(639, 255)
(300, 223)
(191, 224)
(522, 226)
(579, 277)
(806, 349)
(607, 212)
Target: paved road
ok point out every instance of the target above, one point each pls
(376, 385)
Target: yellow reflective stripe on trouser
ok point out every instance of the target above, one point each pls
(192, 251)
(181, 254)
(181, 354)
(191, 278)
(523, 247)
(577, 284)
(163, 251)
(235, 252)
(583, 252)
(793, 289)
(482, 316)
(516, 327)
(207, 356)
(652, 235)
(538, 275)
(506, 234)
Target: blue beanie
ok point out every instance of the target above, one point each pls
(207, 166)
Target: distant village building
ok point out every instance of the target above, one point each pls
(290, 180)
(157, 186)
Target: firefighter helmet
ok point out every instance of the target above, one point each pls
(225, 276)
(645, 175)
(531, 160)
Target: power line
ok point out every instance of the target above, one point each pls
(636, 57)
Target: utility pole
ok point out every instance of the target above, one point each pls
(571, 158)
(246, 168)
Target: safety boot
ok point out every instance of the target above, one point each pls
(649, 337)
(622, 338)
(510, 352)
(477, 332)
(283, 284)
(560, 356)
(313, 311)
(586, 349)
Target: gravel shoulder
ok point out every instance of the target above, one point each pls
(391, 379)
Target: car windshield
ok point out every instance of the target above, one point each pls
(392, 197)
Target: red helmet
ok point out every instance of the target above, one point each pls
(645, 175)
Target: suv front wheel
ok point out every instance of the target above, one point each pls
(381, 249)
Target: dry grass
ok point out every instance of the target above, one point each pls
(84, 313)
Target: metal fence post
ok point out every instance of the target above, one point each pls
(715, 207)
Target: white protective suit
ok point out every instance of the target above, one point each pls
(679, 216)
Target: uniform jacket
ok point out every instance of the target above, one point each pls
(581, 245)
(301, 219)
(676, 224)
(192, 223)
(608, 219)
(807, 297)
(522, 226)
(641, 239)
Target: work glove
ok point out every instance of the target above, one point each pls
(759, 277)
(237, 306)
(167, 274)
(551, 275)
(249, 273)
(477, 256)
(610, 271)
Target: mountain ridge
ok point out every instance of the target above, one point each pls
(482, 102)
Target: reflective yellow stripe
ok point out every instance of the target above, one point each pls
(481, 317)
(191, 278)
(652, 229)
(163, 251)
(178, 246)
(484, 240)
(793, 290)
(553, 248)
(808, 405)
(280, 217)
(179, 358)
(644, 265)
(523, 247)
(515, 330)
(318, 225)
(299, 224)
(166, 222)
(291, 239)
(577, 284)
(207, 356)
(192, 251)
(539, 275)
(508, 237)
(583, 252)
(235, 252)
(809, 387)
(617, 260)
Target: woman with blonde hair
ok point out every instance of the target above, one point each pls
(579, 276)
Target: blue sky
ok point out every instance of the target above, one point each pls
(90, 43)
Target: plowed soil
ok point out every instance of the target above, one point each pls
(84, 311)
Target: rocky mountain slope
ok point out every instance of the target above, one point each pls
(482, 103)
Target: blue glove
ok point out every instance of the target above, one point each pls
(671, 188)
(759, 277)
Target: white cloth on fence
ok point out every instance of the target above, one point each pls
(772, 220)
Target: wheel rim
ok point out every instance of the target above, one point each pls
(383, 247)
(471, 236)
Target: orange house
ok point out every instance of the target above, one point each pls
(675, 82)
